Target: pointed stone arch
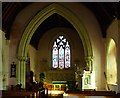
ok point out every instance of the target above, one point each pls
(33, 25)
(111, 62)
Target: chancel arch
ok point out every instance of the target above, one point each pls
(34, 24)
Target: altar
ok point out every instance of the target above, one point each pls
(57, 85)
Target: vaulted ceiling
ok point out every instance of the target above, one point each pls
(105, 12)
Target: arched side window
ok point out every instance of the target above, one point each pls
(61, 53)
(111, 63)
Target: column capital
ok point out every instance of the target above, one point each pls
(22, 58)
(89, 58)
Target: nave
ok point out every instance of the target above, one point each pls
(59, 41)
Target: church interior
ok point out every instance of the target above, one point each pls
(60, 49)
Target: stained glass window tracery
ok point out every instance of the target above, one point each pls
(61, 53)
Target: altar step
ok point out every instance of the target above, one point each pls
(55, 96)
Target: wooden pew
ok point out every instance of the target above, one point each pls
(107, 94)
(20, 94)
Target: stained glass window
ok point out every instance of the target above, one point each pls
(61, 53)
(67, 56)
(55, 55)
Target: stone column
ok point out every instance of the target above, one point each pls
(21, 71)
(1, 63)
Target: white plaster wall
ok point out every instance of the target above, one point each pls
(13, 45)
(5, 59)
(113, 32)
(33, 58)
